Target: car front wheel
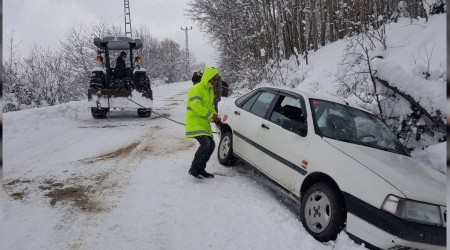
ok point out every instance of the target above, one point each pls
(323, 211)
(225, 150)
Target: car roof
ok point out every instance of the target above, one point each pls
(311, 95)
(118, 43)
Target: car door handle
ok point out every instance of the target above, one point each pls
(265, 126)
(237, 112)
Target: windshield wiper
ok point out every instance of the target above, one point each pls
(372, 146)
(392, 150)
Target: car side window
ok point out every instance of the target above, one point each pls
(288, 114)
(249, 103)
(262, 104)
(241, 99)
(336, 124)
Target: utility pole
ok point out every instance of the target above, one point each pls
(127, 20)
(187, 49)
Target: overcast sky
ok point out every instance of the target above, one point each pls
(43, 22)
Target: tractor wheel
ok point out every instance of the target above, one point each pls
(99, 113)
(144, 112)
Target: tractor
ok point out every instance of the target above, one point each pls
(123, 88)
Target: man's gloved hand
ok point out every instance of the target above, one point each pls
(216, 119)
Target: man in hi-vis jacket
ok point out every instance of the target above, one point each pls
(200, 111)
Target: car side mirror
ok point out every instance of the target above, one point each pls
(303, 131)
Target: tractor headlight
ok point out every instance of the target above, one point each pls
(414, 210)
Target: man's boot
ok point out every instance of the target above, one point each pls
(206, 174)
(194, 173)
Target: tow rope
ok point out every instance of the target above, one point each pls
(160, 115)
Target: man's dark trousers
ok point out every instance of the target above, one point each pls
(203, 154)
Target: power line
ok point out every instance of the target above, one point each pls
(187, 49)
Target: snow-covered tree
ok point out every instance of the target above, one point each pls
(285, 28)
(11, 68)
(382, 86)
(162, 59)
(438, 7)
(172, 63)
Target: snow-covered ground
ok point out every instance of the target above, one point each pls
(74, 182)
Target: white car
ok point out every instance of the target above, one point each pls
(345, 166)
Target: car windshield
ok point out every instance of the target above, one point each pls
(344, 123)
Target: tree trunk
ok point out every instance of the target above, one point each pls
(323, 23)
(315, 36)
(331, 20)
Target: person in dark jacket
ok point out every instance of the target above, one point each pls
(120, 64)
(220, 89)
(196, 78)
(217, 88)
(225, 89)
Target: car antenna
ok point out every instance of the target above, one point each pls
(338, 97)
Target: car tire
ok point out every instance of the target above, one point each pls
(225, 150)
(99, 113)
(144, 112)
(323, 211)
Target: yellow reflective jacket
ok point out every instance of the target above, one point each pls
(200, 106)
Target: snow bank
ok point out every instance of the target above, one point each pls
(428, 93)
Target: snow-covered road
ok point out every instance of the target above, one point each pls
(74, 182)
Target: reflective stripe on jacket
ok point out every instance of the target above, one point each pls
(200, 106)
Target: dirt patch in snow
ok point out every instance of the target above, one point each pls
(152, 143)
(78, 191)
(119, 153)
(78, 196)
(97, 124)
(17, 181)
(157, 127)
(16, 189)
(87, 193)
(100, 178)
(75, 246)
(159, 116)
(164, 144)
(17, 195)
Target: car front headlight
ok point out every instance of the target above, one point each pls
(414, 210)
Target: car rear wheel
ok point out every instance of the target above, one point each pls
(323, 211)
(225, 150)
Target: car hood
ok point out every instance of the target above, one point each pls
(415, 180)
